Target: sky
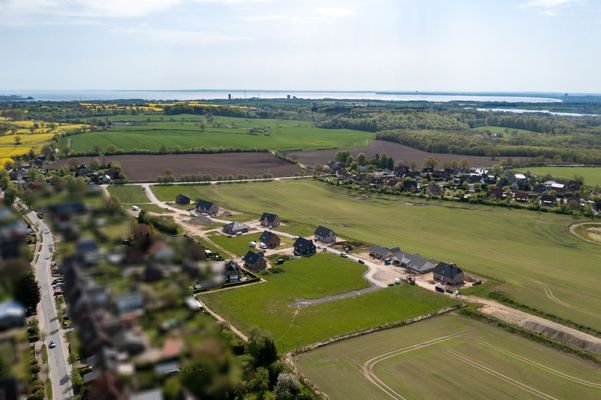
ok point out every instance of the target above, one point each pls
(404, 45)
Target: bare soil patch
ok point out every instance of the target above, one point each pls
(146, 168)
(394, 150)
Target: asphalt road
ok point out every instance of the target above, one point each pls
(60, 370)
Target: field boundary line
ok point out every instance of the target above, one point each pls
(288, 359)
(551, 296)
(503, 377)
(539, 365)
(572, 229)
(369, 365)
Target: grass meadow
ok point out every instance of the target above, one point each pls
(267, 305)
(225, 133)
(448, 357)
(541, 263)
(591, 175)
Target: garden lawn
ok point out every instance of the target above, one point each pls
(528, 250)
(267, 305)
(129, 194)
(240, 244)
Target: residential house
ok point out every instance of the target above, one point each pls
(232, 272)
(207, 207)
(270, 239)
(132, 302)
(304, 247)
(269, 220)
(87, 251)
(234, 228)
(434, 189)
(325, 235)
(160, 251)
(414, 262)
(520, 196)
(182, 199)
(11, 314)
(548, 200)
(254, 261)
(449, 274)
(382, 253)
(497, 193)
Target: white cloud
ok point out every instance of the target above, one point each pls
(183, 37)
(317, 15)
(550, 7)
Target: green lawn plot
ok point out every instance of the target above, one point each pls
(268, 305)
(591, 175)
(542, 264)
(236, 133)
(129, 194)
(448, 357)
(240, 245)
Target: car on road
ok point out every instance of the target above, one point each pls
(343, 255)
(51, 344)
(135, 208)
(40, 215)
(360, 261)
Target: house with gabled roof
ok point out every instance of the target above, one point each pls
(325, 235)
(233, 228)
(207, 207)
(382, 253)
(414, 262)
(269, 220)
(449, 274)
(304, 247)
(254, 261)
(182, 199)
(269, 239)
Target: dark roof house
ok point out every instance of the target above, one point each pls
(182, 199)
(234, 228)
(254, 261)
(270, 239)
(448, 273)
(304, 247)
(268, 219)
(325, 235)
(207, 207)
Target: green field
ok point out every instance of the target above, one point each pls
(130, 194)
(591, 175)
(448, 357)
(239, 244)
(543, 264)
(267, 305)
(229, 133)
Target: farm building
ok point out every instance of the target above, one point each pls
(304, 247)
(234, 228)
(325, 235)
(270, 239)
(269, 220)
(254, 261)
(448, 273)
(182, 199)
(207, 207)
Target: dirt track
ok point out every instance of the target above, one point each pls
(145, 168)
(394, 150)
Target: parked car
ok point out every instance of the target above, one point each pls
(262, 245)
(135, 208)
(343, 255)
(252, 244)
(280, 261)
(52, 344)
(360, 261)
